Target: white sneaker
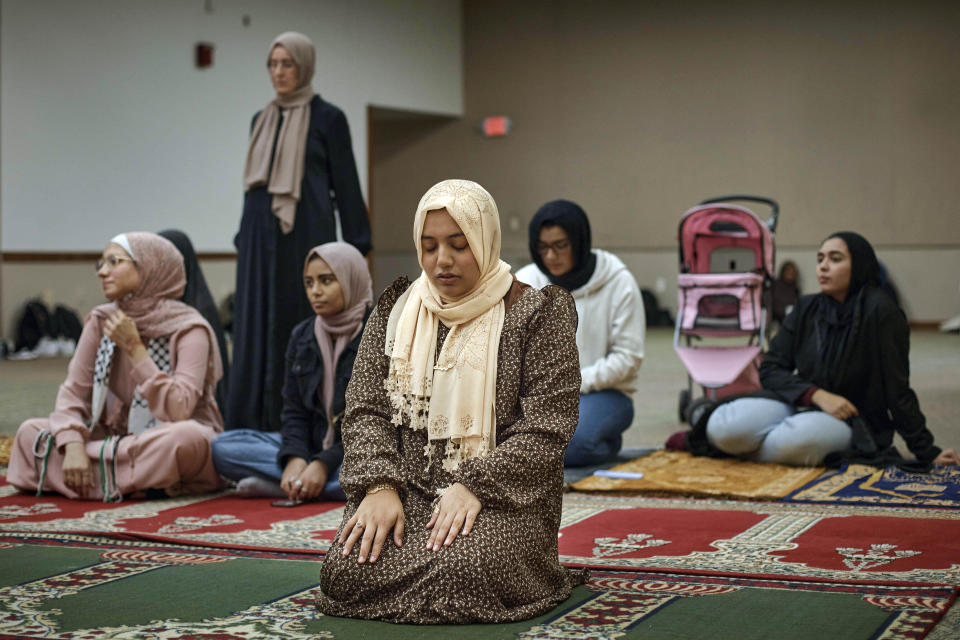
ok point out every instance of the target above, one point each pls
(47, 348)
(66, 346)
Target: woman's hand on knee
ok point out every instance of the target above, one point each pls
(454, 515)
(377, 514)
(947, 456)
(77, 470)
(836, 405)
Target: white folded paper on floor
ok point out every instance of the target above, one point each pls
(623, 475)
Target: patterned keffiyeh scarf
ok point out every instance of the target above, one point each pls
(139, 418)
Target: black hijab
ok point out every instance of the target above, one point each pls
(864, 268)
(838, 328)
(572, 219)
(838, 323)
(197, 295)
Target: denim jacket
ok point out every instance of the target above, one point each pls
(303, 419)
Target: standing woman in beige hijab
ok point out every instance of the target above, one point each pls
(299, 178)
(463, 398)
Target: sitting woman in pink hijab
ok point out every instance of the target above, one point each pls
(136, 414)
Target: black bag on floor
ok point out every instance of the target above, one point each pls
(66, 323)
(34, 324)
(655, 316)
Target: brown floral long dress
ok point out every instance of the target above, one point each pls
(507, 568)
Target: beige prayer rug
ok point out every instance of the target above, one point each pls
(6, 446)
(680, 473)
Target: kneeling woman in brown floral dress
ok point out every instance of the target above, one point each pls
(464, 396)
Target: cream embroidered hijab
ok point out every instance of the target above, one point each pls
(454, 397)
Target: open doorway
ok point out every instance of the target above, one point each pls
(395, 186)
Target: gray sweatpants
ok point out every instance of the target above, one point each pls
(765, 430)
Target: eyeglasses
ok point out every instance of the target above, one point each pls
(283, 64)
(112, 262)
(556, 247)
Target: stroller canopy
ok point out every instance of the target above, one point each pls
(716, 228)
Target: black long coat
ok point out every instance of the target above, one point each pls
(269, 297)
(874, 373)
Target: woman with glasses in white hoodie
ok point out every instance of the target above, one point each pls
(610, 330)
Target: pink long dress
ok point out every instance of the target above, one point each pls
(173, 455)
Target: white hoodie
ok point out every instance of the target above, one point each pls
(611, 326)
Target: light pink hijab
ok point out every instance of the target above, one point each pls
(334, 333)
(154, 307)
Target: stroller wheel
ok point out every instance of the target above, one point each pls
(697, 408)
(683, 403)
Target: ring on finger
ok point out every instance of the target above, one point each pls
(360, 524)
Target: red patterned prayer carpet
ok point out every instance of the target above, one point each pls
(220, 520)
(879, 545)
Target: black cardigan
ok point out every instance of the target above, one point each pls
(874, 375)
(303, 419)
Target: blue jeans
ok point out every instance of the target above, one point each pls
(765, 430)
(248, 452)
(604, 416)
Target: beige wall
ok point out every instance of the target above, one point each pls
(928, 279)
(845, 112)
(108, 126)
(914, 270)
(75, 285)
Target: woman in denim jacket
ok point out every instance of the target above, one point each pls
(302, 461)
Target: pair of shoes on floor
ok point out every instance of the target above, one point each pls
(47, 348)
(677, 441)
(698, 411)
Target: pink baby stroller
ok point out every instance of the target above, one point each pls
(726, 266)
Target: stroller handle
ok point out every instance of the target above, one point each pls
(775, 208)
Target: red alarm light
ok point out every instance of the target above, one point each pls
(204, 55)
(495, 126)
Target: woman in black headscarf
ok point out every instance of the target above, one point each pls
(197, 295)
(839, 372)
(610, 331)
